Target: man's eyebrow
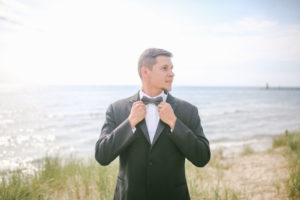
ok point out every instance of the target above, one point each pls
(172, 66)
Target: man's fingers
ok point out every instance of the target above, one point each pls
(138, 104)
(138, 107)
(162, 105)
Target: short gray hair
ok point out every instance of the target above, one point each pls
(148, 58)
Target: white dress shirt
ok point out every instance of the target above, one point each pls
(152, 115)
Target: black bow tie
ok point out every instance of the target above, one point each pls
(156, 100)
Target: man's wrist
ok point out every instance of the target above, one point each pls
(132, 124)
(172, 124)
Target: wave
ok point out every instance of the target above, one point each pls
(31, 140)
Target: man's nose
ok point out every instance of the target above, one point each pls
(172, 74)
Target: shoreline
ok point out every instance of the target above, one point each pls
(230, 148)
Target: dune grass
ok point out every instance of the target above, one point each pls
(72, 178)
(247, 151)
(61, 179)
(291, 142)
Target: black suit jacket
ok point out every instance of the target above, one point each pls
(152, 171)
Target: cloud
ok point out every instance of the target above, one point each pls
(251, 24)
(245, 25)
(9, 20)
(243, 40)
(12, 11)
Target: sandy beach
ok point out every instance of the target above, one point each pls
(255, 175)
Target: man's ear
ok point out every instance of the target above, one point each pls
(144, 71)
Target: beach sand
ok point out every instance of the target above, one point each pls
(260, 175)
(252, 175)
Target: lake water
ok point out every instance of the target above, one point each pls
(64, 120)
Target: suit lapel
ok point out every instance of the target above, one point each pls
(161, 125)
(160, 128)
(142, 124)
(143, 127)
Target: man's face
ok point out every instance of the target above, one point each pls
(161, 76)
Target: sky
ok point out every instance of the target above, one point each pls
(95, 42)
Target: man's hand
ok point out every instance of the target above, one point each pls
(166, 114)
(137, 113)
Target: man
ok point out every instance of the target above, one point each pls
(152, 132)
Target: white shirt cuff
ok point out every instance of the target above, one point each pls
(133, 130)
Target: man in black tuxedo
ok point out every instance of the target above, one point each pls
(153, 133)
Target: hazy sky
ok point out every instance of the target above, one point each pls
(215, 43)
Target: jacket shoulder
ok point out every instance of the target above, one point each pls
(185, 111)
(123, 104)
(183, 104)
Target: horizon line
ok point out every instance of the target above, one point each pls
(138, 85)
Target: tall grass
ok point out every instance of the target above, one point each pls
(74, 179)
(292, 143)
(61, 179)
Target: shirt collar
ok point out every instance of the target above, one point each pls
(162, 94)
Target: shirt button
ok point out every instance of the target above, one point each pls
(150, 163)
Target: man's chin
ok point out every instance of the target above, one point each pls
(167, 89)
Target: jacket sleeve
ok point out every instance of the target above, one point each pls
(191, 140)
(113, 138)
